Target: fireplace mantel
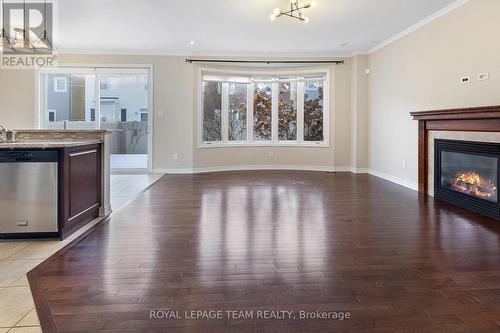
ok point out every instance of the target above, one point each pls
(478, 119)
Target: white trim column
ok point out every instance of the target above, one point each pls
(105, 209)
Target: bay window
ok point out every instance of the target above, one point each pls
(264, 108)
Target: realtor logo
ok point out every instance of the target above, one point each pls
(27, 34)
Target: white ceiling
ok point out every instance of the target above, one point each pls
(233, 27)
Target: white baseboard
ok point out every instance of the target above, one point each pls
(343, 169)
(253, 168)
(393, 179)
(360, 170)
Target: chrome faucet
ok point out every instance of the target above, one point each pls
(3, 134)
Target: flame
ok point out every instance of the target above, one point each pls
(471, 182)
(469, 177)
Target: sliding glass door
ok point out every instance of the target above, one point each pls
(124, 111)
(68, 100)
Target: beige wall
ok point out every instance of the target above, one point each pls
(359, 113)
(422, 71)
(17, 98)
(175, 130)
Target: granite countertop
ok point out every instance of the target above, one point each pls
(46, 144)
(72, 130)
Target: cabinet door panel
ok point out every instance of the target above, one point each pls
(84, 181)
(80, 187)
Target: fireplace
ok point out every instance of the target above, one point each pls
(467, 173)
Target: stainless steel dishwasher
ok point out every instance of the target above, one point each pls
(28, 193)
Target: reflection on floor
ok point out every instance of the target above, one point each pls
(283, 241)
(129, 161)
(17, 310)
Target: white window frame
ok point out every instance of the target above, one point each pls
(273, 74)
(65, 80)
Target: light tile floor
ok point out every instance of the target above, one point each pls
(129, 161)
(124, 188)
(17, 310)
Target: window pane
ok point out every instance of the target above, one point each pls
(287, 111)
(212, 111)
(70, 98)
(262, 112)
(237, 112)
(313, 111)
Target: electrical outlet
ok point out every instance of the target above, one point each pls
(405, 164)
(483, 76)
(465, 79)
(161, 113)
(175, 156)
(271, 154)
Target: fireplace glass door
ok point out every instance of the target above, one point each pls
(474, 175)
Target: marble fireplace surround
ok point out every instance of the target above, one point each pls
(469, 124)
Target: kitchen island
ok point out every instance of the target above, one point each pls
(53, 182)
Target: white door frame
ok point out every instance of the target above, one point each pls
(98, 70)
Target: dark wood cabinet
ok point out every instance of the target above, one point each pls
(80, 192)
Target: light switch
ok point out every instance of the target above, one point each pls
(483, 76)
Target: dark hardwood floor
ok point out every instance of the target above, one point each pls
(277, 240)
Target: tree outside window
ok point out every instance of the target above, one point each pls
(287, 111)
(313, 111)
(212, 111)
(262, 112)
(237, 112)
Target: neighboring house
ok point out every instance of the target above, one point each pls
(72, 98)
(123, 104)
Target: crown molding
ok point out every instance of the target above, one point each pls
(418, 25)
(125, 52)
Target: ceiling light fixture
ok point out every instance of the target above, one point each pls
(45, 42)
(5, 40)
(21, 39)
(21, 42)
(295, 11)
